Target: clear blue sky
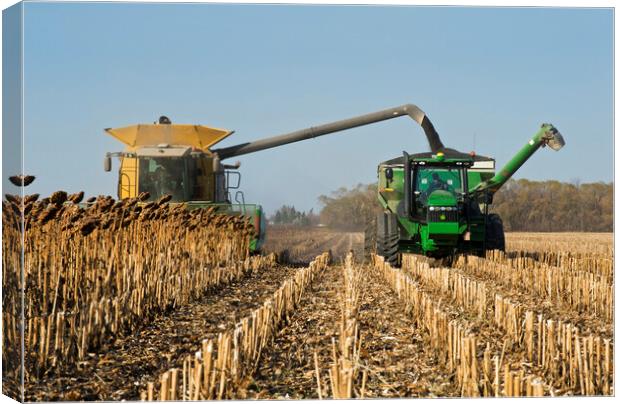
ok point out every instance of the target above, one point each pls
(263, 70)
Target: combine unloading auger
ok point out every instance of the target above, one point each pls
(410, 110)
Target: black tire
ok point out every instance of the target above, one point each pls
(370, 238)
(388, 236)
(494, 238)
(283, 257)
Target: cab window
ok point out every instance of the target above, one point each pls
(160, 176)
(430, 179)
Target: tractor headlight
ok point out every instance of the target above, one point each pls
(443, 208)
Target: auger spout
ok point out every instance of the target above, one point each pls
(548, 135)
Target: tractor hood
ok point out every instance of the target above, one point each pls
(441, 198)
(198, 136)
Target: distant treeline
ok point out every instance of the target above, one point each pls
(555, 206)
(288, 215)
(350, 209)
(523, 205)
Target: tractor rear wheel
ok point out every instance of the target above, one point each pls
(388, 236)
(495, 239)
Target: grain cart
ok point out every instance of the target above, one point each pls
(437, 203)
(165, 158)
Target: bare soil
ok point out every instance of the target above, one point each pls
(392, 352)
(302, 244)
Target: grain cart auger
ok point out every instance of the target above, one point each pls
(166, 158)
(437, 203)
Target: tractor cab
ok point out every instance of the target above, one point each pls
(181, 171)
(438, 196)
(438, 188)
(443, 181)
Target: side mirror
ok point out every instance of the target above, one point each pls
(107, 163)
(233, 179)
(389, 174)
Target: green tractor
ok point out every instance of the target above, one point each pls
(437, 203)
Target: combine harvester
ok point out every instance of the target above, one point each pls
(435, 203)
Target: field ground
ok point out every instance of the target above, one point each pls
(306, 243)
(418, 331)
(393, 350)
(303, 244)
(116, 371)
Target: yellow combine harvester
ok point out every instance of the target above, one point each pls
(165, 158)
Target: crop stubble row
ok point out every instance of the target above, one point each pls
(95, 272)
(121, 369)
(350, 337)
(582, 289)
(452, 340)
(224, 362)
(556, 246)
(551, 350)
(574, 362)
(345, 370)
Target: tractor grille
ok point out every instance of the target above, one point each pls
(442, 216)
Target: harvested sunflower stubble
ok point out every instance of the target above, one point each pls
(520, 346)
(96, 271)
(347, 380)
(219, 368)
(472, 357)
(139, 300)
(573, 289)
